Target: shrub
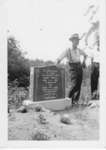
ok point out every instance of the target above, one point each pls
(16, 95)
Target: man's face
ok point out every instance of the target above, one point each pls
(75, 42)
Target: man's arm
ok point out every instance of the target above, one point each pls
(62, 56)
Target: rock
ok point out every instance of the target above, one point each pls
(27, 102)
(67, 99)
(22, 109)
(42, 119)
(38, 108)
(65, 119)
(11, 110)
(40, 135)
(93, 105)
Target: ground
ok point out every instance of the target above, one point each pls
(47, 125)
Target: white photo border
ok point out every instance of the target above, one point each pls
(4, 92)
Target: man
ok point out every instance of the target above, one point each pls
(95, 74)
(73, 56)
(95, 80)
(92, 41)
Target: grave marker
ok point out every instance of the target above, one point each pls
(47, 83)
(47, 86)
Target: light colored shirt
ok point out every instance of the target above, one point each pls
(72, 55)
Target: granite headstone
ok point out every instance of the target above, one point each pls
(47, 83)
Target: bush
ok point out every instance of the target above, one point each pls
(16, 95)
(18, 65)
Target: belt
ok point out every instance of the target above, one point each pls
(74, 63)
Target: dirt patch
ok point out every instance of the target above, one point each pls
(46, 125)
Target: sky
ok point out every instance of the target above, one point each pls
(43, 27)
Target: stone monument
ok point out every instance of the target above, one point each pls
(47, 87)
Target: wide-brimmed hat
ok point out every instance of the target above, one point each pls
(74, 36)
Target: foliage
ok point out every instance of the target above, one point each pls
(19, 72)
(16, 95)
(18, 66)
(92, 12)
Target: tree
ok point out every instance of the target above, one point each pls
(18, 66)
(94, 29)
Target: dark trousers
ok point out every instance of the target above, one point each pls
(76, 80)
(94, 77)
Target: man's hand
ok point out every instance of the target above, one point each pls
(88, 62)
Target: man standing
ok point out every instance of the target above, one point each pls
(95, 74)
(73, 56)
(93, 43)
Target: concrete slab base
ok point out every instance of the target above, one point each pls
(58, 104)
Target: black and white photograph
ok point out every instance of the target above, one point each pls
(53, 70)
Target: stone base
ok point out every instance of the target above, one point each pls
(58, 104)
